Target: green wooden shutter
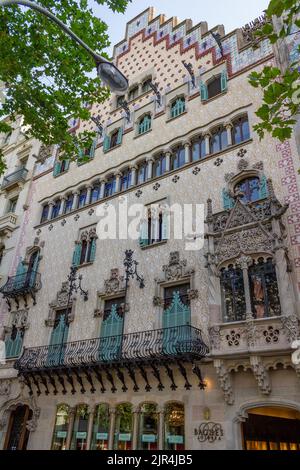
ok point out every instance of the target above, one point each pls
(176, 325)
(263, 192)
(120, 136)
(93, 148)
(144, 236)
(111, 336)
(77, 254)
(228, 202)
(203, 91)
(20, 275)
(13, 347)
(34, 269)
(59, 337)
(93, 250)
(67, 164)
(56, 168)
(106, 143)
(224, 81)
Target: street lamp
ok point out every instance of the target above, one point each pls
(107, 71)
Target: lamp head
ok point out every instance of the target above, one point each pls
(111, 76)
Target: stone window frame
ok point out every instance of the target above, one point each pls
(60, 303)
(176, 273)
(242, 175)
(114, 288)
(170, 102)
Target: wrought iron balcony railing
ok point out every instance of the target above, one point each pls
(15, 177)
(21, 285)
(165, 345)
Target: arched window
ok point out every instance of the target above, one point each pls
(174, 426)
(145, 124)
(214, 87)
(101, 423)
(198, 149)
(250, 189)
(148, 427)
(126, 179)
(68, 204)
(142, 173)
(114, 138)
(85, 251)
(55, 209)
(60, 432)
(219, 140)
(233, 294)
(120, 100)
(18, 434)
(177, 107)
(154, 228)
(111, 329)
(45, 213)
(110, 187)
(80, 428)
(95, 194)
(159, 167)
(240, 130)
(146, 85)
(123, 427)
(82, 198)
(133, 93)
(178, 158)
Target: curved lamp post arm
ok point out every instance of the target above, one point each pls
(113, 77)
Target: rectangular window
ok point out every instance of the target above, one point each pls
(12, 205)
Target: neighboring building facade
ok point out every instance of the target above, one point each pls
(200, 358)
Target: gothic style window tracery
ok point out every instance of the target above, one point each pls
(144, 124)
(264, 289)
(177, 107)
(233, 294)
(154, 227)
(85, 249)
(250, 189)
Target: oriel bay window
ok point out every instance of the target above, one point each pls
(174, 426)
(148, 428)
(80, 428)
(61, 426)
(123, 427)
(112, 329)
(264, 296)
(101, 424)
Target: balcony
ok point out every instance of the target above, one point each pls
(134, 353)
(20, 286)
(15, 178)
(8, 223)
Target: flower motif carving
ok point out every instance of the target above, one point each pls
(241, 153)
(156, 187)
(219, 162)
(139, 193)
(176, 179)
(196, 171)
(271, 335)
(233, 338)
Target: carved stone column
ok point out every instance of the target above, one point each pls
(72, 413)
(75, 200)
(112, 414)
(102, 187)
(168, 154)
(229, 133)
(51, 205)
(135, 431)
(261, 374)
(244, 262)
(118, 176)
(90, 428)
(150, 162)
(187, 149)
(207, 137)
(224, 381)
(161, 428)
(133, 170)
(62, 205)
(88, 194)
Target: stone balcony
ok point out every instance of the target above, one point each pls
(262, 336)
(16, 178)
(8, 223)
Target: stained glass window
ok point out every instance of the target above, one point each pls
(233, 294)
(264, 289)
(250, 188)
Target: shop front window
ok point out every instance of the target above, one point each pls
(148, 430)
(174, 426)
(124, 427)
(61, 428)
(100, 428)
(80, 428)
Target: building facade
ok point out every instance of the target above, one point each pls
(188, 349)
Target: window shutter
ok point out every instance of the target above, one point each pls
(20, 275)
(203, 91)
(166, 226)
(34, 269)
(144, 233)
(263, 193)
(93, 250)
(106, 143)
(67, 164)
(56, 168)
(93, 148)
(120, 136)
(76, 255)
(228, 202)
(224, 80)
(13, 347)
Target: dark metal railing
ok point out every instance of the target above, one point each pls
(182, 343)
(21, 283)
(18, 175)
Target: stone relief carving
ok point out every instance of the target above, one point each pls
(61, 302)
(224, 381)
(5, 387)
(290, 324)
(115, 283)
(31, 425)
(261, 374)
(175, 268)
(215, 337)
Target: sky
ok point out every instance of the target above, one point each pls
(231, 13)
